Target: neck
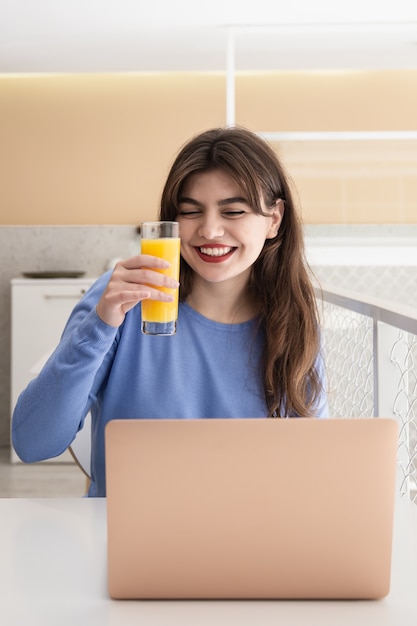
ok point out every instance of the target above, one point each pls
(222, 302)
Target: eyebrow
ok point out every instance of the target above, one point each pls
(226, 201)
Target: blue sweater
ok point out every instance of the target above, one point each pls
(206, 370)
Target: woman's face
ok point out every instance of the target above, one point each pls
(221, 236)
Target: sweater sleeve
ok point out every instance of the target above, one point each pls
(52, 408)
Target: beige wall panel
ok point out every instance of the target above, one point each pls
(96, 149)
(319, 213)
(358, 214)
(320, 198)
(409, 197)
(326, 101)
(346, 181)
(373, 191)
(410, 214)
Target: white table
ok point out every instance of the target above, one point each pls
(53, 573)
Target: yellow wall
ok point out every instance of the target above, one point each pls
(95, 149)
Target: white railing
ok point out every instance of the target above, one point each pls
(370, 349)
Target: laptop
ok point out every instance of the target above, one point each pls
(250, 508)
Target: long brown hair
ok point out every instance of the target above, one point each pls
(280, 276)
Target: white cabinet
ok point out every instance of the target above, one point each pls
(40, 310)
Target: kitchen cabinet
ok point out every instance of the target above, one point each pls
(40, 309)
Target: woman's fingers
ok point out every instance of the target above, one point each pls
(133, 280)
(143, 260)
(144, 270)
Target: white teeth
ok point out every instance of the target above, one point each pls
(215, 251)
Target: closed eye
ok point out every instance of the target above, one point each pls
(233, 213)
(189, 213)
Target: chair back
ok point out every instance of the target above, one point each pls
(80, 448)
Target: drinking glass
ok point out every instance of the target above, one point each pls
(161, 239)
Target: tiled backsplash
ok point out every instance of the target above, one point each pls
(92, 248)
(387, 282)
(379, 261)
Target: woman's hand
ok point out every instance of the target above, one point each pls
(132, 281)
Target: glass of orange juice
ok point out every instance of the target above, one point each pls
(161, 239)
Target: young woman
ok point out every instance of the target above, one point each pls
(248, 336)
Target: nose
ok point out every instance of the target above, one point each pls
(211, 227)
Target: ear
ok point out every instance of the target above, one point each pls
(276, 219)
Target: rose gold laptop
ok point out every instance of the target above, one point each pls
(250, 508)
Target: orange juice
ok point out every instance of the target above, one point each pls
(167, 248)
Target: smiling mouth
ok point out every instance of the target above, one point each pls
(215, 251)
(214, 254)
